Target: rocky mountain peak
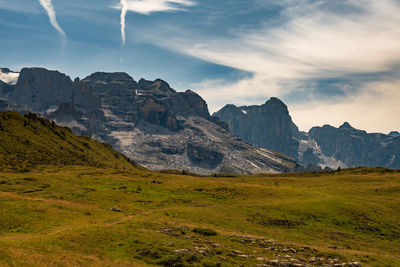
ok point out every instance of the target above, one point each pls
(5, 70)
(230, 108)
(144, 83)
(156, 87)
(148, 121)
(276, 102)
(275, 106)
(35, 89)
(110, 77)
(269, 125)
(37, 72)
(197, 103)
(346, 125)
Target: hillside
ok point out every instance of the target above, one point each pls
(63, 217)
(30, 141)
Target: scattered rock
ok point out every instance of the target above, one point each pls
(181, 251)
(202, 252)
(156, 182)
(274, 262)
(115, 209)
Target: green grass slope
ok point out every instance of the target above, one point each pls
(62, 217)
(28, 141)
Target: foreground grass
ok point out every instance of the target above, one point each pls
(62, 217)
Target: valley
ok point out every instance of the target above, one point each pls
(54, 216)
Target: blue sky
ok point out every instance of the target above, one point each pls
(330, 61)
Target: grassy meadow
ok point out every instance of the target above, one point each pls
(61, 216)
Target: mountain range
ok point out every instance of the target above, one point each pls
(161, 128)
(147, 121)
(270, 126)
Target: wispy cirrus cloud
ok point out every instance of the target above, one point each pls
(124, 9)
(147, 7)
(313, 40)
(48, 6)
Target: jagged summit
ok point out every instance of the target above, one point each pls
(276, 103)
(5, 70)
(346, 125)
(108, 77)
(270, 126)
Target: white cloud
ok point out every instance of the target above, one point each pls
(150, 6)
(48, 6)
(317, 44)
(147, 7)
(19, 6)
(124, 9)
(313, 42)
(9, 77)
(375, 109)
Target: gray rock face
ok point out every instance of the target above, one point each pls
(35, 89)
(3, 105)
(270, 126)
(148, 121)
(358, 148)
(394, 134)
(5, 87)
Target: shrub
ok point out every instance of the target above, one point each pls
(203, 231)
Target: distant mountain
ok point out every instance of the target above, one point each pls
(147, 121)
(357, 148)
(29, 141)
(270, 126)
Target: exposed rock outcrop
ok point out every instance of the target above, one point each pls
(270, 126)
(356, 147)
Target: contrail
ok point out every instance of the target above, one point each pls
(124, 9)
(48, 6)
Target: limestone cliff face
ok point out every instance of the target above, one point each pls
(148, 121)
(269, 125)
(356, 147)
(35, 89)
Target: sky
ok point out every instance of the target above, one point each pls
(329, 61)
